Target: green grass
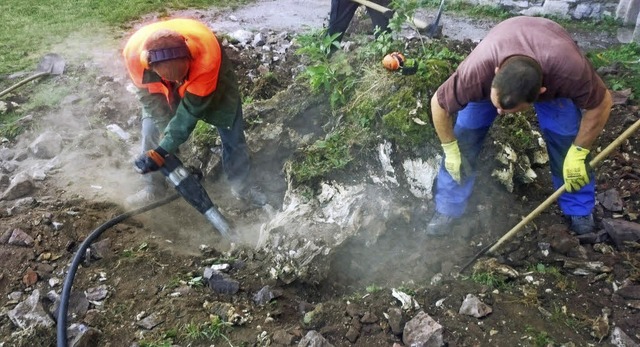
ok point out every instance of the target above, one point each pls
(626, 59)
(28, 28)
(489, 279)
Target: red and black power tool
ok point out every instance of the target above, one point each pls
(189, 187)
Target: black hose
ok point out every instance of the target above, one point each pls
(61, 327)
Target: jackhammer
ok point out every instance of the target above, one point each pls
(189, 187)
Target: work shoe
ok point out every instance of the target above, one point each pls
(144, 197)
(250, 194)
(582, 224)
(440, 225)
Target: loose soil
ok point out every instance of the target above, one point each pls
(151, 257)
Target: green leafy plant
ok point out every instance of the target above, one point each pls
(624, 59)
(135, 251)
(204, 134)
(489, 279)
(10, 127)
(323, 157)
(540, 338)
(213, 329)
(373, 288)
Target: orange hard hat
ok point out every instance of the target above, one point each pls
(393, 61)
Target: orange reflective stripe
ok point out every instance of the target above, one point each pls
(156, 157)
(205, 52)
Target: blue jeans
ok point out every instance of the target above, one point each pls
(235, 154)
(559, 121)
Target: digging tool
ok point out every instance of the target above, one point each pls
(387, 12)
(432, 29)
(50, 64)
(553, 197)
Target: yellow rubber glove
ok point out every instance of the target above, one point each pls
(452, 160)
(574, 169)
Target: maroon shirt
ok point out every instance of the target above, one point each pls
(566, 71)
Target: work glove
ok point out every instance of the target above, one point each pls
(454, 162)
(574, 169)
(150, 161)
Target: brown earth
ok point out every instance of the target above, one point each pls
(154, 255)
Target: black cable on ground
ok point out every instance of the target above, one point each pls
(61, 328)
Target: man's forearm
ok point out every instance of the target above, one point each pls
(442, 121)
(593, 122)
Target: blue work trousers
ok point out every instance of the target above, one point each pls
(559, 121)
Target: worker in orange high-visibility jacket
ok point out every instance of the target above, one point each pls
(182, 75)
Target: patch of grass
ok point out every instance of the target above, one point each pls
(373, 288)
(539, 338)
(561, 281)
(204, 135)
(135, 251)
(407, 290)
(489, 279)
(28, 28)
(10, 127)
(625, 59)
(560, 315)
(323, 157)
(186, 279)
(214, 329)
(475, 10)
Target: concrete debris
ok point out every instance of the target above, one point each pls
(46, 146)
(472, 306)
(314, 339)
(150, 322)
(423, 331)
(30, 313)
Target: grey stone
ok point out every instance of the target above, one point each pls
(263, 296)
(630, 292)
(620, 339)
(611, 200)
(396, 320)
(83, 336)
(20, 238)
(30, 313)
(223, 284)
(46, 146)
(97, 293)
(282, 337)
(20, 186)
(150, 322)
(472, 306)
(314, 339)
(423, 331)
(621, 231)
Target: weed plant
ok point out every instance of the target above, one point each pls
(370, 101)
(623, 61)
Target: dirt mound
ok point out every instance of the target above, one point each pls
(165, 278)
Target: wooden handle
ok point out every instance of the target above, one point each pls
(31, 78)
(613, 145)
(372, 5)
